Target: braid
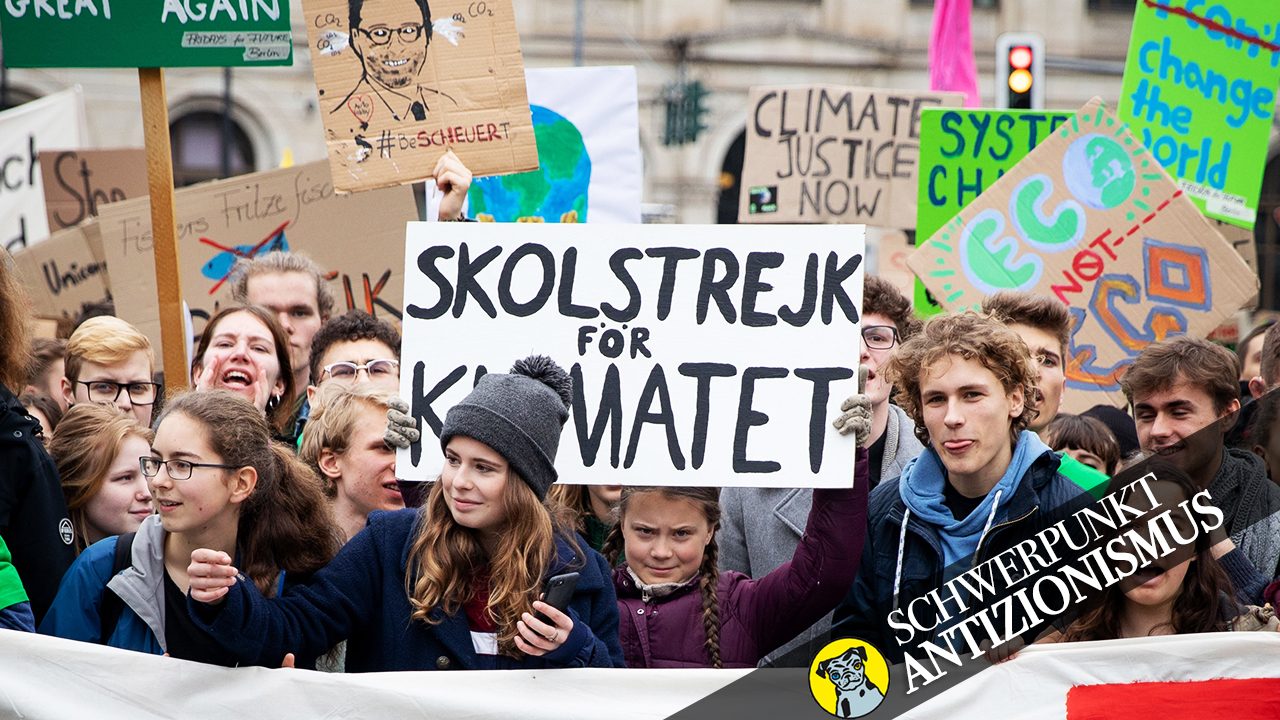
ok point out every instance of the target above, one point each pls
(709, 577)
(613, 544)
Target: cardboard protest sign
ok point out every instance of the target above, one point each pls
(1090, 218)
(56, 121)
(587, 124)
(1246, 245)
(1199, 90)
(358, 239)
(962, 152)
(892, 249)
(76, 182)
(65, 272)
(701, 355)
(146, 33)
(411, 81)
(829, 153)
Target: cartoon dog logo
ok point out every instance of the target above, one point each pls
(849, 673)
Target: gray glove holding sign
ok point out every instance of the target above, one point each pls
(856, 417)
(402, 428)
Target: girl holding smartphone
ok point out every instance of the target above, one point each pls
(454, 584)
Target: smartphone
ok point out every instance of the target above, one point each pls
(558, 593)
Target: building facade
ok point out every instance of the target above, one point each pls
(727, 45)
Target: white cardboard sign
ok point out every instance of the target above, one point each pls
(55, 121)
(702, 355)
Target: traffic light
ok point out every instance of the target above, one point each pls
(686, 109)
(697, 109)
(1020, 71)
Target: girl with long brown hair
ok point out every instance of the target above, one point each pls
(454, 584)
(33, 513)
(218, 481)
(1185, 592)
(97, 453)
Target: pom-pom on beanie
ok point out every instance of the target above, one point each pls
(519, 415)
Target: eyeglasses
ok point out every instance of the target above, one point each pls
(375, 369)
(381, 35)
(177, 469)
(108, 391)
(880, 337)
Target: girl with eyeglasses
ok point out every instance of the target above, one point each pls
(96, 453)
(218, 481)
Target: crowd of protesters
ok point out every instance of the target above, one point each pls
(257, 519)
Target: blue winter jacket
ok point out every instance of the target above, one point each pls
(360, 597)
(75, 611)
(913, 561)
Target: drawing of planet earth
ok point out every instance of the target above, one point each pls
(1098, 171)
(557, 192)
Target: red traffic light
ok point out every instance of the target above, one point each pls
(1020, 57)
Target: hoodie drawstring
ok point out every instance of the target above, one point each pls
(902, 542)
(990, 518)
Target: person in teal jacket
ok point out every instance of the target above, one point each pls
(76, 613)
(219, 481)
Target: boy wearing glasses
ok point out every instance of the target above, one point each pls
(110, 362)
(761, 527)
(354, 349)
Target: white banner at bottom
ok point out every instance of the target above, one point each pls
(43, 677)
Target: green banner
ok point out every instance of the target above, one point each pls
(962, 153)
(145, 33)
(1200, 90)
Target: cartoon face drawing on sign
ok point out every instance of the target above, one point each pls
(391, 38)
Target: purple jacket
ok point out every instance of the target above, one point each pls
(756, 616)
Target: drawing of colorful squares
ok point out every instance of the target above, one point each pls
(1091, 218)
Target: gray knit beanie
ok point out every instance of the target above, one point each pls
(519, 415)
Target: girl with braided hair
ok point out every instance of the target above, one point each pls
(681, 611)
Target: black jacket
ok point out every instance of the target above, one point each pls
(33, 513)
(1042, 498)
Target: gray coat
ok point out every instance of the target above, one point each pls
(141, 585)
(777, 520)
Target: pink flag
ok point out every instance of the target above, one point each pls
(951, 63)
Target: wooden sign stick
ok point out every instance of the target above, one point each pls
(155, 127)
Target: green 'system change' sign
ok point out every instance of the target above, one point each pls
(145, 33)
(962, 153)
(1200, 90)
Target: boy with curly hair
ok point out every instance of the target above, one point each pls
(983, 484)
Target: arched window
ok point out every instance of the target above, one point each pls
(197, 139)
(731, 181)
